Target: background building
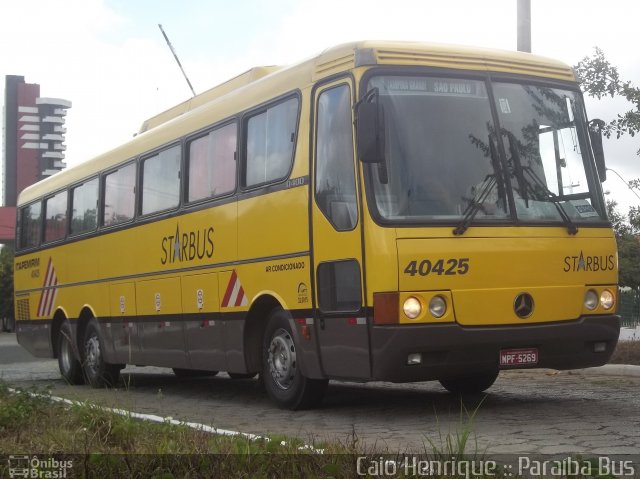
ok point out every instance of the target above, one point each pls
(34, 134)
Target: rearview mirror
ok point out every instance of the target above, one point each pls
(370, 129)
(595, 134)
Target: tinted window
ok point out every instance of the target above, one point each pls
(55, 217)
(335, 177)
(84, 207)
(438, 150)
(546, 142)
(212, 165)
(269, 143)
(161, 181)
(339, 286)
(119, 195)
(30, 225)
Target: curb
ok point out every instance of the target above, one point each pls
(623, 370)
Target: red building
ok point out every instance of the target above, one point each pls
(33, 144)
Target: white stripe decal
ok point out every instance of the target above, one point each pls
(50, 292)
(234, 293)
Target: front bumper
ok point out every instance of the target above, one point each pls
(450, 349)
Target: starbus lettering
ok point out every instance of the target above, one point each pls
(588, 263)
(187, 246)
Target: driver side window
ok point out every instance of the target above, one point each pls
(335, 176)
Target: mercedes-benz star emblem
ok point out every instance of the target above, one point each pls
(523, 305)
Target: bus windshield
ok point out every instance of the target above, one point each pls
(442, 154)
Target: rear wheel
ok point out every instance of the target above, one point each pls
(469, 384)
(192, 373)
(68, 363)
(281, 374)
(97, 372)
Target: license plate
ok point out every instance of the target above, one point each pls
(518, 357)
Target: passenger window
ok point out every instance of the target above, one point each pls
(119, 195)
(29, 235)
(269, 143)
(335, 175)
(84, 207)
(161, 181)
(55, 224)
(211, 164)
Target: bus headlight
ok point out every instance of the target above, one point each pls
(606, 299)
(437, 306)
(412, 307)
(591, 300)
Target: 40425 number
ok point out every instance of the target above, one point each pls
(446, 267)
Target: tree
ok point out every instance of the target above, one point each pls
(626, 230)
(599, 78)
(6, 283)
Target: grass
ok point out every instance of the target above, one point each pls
(105, 444)
(101, 443)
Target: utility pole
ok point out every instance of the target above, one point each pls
(524, 26)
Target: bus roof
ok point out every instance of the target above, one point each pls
(263, 83)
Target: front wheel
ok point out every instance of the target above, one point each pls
(281, 374)
(97, 372)
(469, 383)
(70, 367)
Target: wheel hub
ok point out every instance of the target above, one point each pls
(92, 353)
(282, 359)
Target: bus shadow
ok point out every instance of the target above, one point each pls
(341, 397)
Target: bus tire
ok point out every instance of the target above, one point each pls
(68, 363)
(470, 383)
(97, 372)
(242, 375)
(192, 373)
(282, 377)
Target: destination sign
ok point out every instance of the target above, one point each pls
(398, 85)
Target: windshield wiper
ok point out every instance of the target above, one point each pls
(550, 195)
(525, 186)
(475, 205)
(479, 198)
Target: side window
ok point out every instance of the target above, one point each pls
(335, 175)
(55, 214)
(161, 181)
(84, 207)
(269, 143)
(211, 164)
(30, 225)
(119, 195)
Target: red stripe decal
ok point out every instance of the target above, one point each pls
(240, 297)
(46, 278)
(227, 294)
(52, 296)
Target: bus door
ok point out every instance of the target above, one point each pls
(340, 323)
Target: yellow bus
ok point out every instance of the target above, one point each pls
(384, 211)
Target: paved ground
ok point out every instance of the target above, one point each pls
(536, 411)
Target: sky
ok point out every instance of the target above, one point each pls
(108, 57)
